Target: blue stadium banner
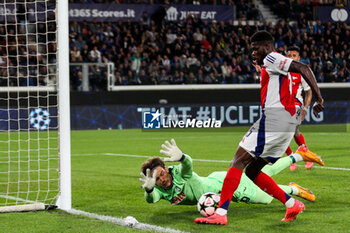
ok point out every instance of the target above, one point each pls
(115, 12)
(38, 118)
(333, 14)
(244, 114)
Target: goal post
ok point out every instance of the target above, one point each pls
(64, 199)
(34, 105)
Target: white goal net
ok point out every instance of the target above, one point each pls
(29, 122)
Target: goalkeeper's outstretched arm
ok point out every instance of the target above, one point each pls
(175, 154)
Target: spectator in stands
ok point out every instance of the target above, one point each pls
(304, 58)
(163, 78)
(328, 72)
(95, 55)
(75, 55)
(191, 79)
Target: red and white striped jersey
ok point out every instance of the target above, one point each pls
(276, 87)
(298, 85)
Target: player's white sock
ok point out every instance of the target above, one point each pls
(297, 157)
(221, 211)
(290, 202)
(295, 190)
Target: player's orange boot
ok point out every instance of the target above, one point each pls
(309, 156)
(293, 211)
(309, 165)
(303, 192)
(293, 166)
(214, 219)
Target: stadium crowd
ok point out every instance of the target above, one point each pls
(28, 50)
(194, 51)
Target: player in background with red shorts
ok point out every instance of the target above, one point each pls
(298, 86)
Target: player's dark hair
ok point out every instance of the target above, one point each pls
(261, 36)
(152, 163)
(293, 48)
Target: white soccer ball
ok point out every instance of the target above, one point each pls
(208, 203)
(130, 221)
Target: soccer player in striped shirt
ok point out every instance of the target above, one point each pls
(269, 137)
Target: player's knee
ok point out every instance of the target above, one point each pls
(241, 159)
(238, 163)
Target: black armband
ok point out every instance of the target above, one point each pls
(149, 191)
(182, 158)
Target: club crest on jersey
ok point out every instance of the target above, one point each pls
(178, 188)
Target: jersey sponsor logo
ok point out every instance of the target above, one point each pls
(282, 64)
(177, 199)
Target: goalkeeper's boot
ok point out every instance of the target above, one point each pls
(292, 212)
(214, 219)
(303, 192)
(309, 156)
(293, 166)
(308, 165)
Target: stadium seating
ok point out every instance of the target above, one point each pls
(146, 53)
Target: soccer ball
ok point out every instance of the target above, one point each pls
(208, 203)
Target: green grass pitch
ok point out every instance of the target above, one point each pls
(107, 184)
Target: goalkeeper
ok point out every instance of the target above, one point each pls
(180, 185)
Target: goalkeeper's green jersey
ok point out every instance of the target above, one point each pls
(187, 187)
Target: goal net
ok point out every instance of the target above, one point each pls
(29, 105)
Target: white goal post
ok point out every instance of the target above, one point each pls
(35, 168)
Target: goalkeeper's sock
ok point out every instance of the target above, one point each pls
(289, 151)
(266, 183)
(295, 190)
(279, 166)
(300, 140)
(297, 157)
(231, 182)
(288, 189)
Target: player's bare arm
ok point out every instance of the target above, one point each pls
(308, 98)
(307, 102)
(309, 77)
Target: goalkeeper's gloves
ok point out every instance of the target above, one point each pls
(148, 181)
(172, 151)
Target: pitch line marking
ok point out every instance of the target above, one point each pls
(115, 220)
(199, 160)
(122, 222)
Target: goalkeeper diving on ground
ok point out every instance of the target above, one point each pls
(180, 185)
